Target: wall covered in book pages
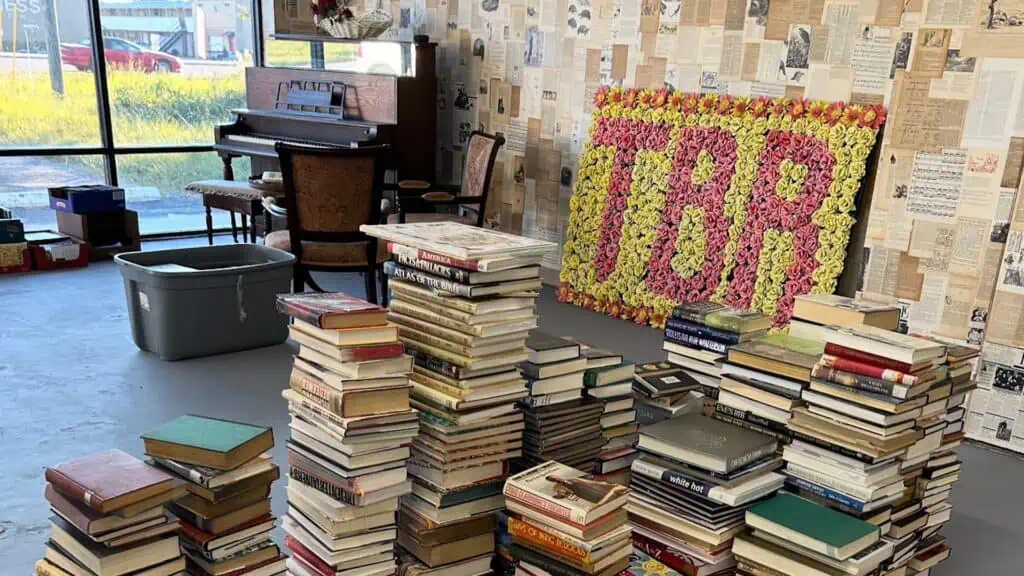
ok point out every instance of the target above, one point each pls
(950, 72)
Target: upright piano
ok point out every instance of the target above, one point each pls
(373, 108)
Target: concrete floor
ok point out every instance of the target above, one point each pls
(72, 382)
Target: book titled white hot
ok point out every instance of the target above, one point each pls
(565, 493)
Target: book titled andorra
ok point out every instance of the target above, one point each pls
(565, 493)
(332, 310)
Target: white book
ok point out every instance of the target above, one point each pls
(762, 410)
(879, 476)
(738, 495)
(758, 376)
(825, 455)
(712, 368)
(858, 411)
(885, 343)
(865, 493)
(880, 431)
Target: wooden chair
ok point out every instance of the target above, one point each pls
(421, 201)
(328, 194)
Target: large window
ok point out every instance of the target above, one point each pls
(170, 71)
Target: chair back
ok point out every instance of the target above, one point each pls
(481, 154)
(330, 192)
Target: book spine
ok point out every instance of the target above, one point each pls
(439, 342)
(826, 493)
(647, 414)
(438, 385)
(549, 565)
(569, 548)
(423, 279)
(322, 485)
(430, 395)
(665, 555)
(727, 338)
(307, 315)
(434, 364)
(536, 401)
(365, 353)
(307, 555)
(778, 435)
(842, 450)
(674, 477)
(859, 381)
(683, 313)
(435, 268)
(191, 474)
(750, 417)
(432, 329)
(317, 393)
(428, 256)
(844, 352)
(751, 456)
(74, 490)
(708, 391)
(866, 369)
(826, 502)
(696, 341)
(543, 504)
(44, 568)
(829, 482)
(426, 315)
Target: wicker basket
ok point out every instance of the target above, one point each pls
(361, 26)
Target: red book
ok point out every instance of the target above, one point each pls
(869, 369)
(682, 563)
(332, 310)
(433, 257)
(844, 352)
(308, 558)
(108, 481)
(202, 539)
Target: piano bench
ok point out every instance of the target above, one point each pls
(233, 196)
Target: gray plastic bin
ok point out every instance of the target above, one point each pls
(200, 301)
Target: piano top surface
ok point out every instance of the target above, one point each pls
(306, 117)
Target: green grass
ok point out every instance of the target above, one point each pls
(148, 109)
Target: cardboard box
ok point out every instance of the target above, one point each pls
(14, 258)
(107, 233)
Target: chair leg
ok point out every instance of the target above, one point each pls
(371, 284)
(209, 225)
(298, 279)
(234, 231)
(312, 283)
(384, 287)
(245, 227)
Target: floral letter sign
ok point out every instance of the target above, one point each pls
(684, 197)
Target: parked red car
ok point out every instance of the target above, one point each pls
(120, 54)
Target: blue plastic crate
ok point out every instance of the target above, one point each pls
(87, 199)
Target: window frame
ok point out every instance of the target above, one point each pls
(107, 149)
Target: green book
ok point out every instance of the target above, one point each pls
(609, 374)
(210, 442)
(812, 526)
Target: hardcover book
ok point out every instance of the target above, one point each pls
(779, 354)
(108, 481)
(812, 526)
(705, 442)
(462, 275)
(210, 442)
(843, 311)
(458, 240)
(885, 343)
(722, 317)
(545, 348)
(662, 378)
(331, 310)
(565, 493)
(449, 287)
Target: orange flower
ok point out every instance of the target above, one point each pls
(601, 96)
(797, 109)
(834, 113)
(630, 99)
(690, 103)
(760, 106)
(816, 110)
(740, 106)
(779, 106)
(660, 98)
(725, 105)
(707, 103)
(852, 115)
(676, 100)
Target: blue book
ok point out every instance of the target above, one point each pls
(826, 493)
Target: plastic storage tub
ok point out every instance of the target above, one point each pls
(194, 302)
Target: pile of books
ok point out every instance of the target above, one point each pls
(563, 522)
(612, 385)
(463, 299)
(698, 337)
(225, 516)
(690, 486)
(763, 381)
(351, 429)
(663, 390)
(791, 535)
(108, 518)
(875, 412)
(561, 424)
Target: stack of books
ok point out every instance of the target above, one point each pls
(698, 337)
(812, 313)
(561, 424)
(612, 386)
(351, 430)
(875, 412)
(564, 522)
(791, 535)
(690, 486)
(763, 381)
(108, 518)
(663, 390)
(225, 516)
(464, 300)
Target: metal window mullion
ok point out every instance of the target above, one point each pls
(258, 56)
(99, 68)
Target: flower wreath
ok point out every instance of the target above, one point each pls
(688, 197)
